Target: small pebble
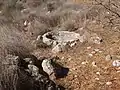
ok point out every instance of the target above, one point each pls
(116, 63)
(94, 21)
(97, 79)
(69, 59)
(98, 73)
(84, 63)
(0, 12)
(62, 58)
(100, 51)
(108, 83)
(75, 76)
(94, 64)
(93, 52)
(105, 67)
(89, 47)
(96, 50)
(118, 68)
(25, 23)
(118, 71)
(81, 28)
(108, 57)
(90, 55)
(74, 68)
(108, 12)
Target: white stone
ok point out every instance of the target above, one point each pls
(83, 63)
(94, 64)
(66, 36)
(38, 38)
(60, 39)
(98, 73)
(69, 59)
(62, 58)
(0, 12)
(90, 55)
(108, 12)
(118, 71)
(93, 52)
(47, 40)
(33, 69)
(47, 66)
(97, 50)
(25, 23)
(89, 47)
(108, 83)
(97, 79)
(100, 51)
(116, 63)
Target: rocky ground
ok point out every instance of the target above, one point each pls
(91, 65)
(91, 55)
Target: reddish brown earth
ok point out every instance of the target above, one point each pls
(91, 72)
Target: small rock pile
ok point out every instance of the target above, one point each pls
(61, 40)
(48, 68)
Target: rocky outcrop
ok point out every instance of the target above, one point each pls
(59, 40)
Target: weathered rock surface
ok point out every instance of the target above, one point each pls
(59, 40)
(33, 70)
(59, 47)
(48, 68)
(16, 76)
(48, 38)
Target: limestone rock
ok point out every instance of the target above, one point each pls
(59, 39)
(59, 48)
(48, 38)
(48, 68)
(33, 69)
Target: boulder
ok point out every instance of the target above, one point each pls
(59, 39)
(48, 68)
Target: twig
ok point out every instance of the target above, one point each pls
(108, 8)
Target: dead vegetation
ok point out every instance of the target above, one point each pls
(21, 21)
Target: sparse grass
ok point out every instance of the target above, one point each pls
(13, 41)
(66, 15)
